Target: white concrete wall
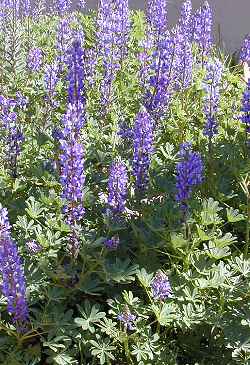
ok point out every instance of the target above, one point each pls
(231, 18)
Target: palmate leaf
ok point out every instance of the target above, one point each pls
(64, 359)
(209, 214)
(241, 265)
(217, 252)
(166, 314)
(224, 241)
(144, 278)
(90, 315)
(120, 271)
(233, 215)
(102, 350)
(34, 208)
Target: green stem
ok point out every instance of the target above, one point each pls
(126, 348)
(247, 226)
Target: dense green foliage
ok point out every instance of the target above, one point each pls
(74, 303)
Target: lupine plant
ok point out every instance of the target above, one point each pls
(124, 187)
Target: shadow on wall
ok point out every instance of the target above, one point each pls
(231, 19)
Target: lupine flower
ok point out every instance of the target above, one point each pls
(127, 318)
(189, 174)
(113, 28)
(211, 85)
(245, 118)
(33, 247)
(13, 280)
(185, 21)
(160, 286)
(245, 50)
(125, 132)
(158, 80)
(117, 188)
(182, 60)
(27, 8)
(90, 65)
(63, 6)
(202, 30)
(63, 40)
(76, 92)
(72, 171)
(21, 100)
(50, 82)
(13, 134)
(112, 243)
(35, 59)
(143, 149)
(157, 20)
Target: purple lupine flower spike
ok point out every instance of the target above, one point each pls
(157, 20)
(63, 40)
(117, 188)
(76, 93)
(33, 247)
(50, 82)
(113, 28)
(182, 60)
(35, 59)
(189, 174)
(13, 134)
(211, 85)
(245, 50)
(63, 6)
(245, 117)
(202, 30)
(127, 318)
(143, 149)
(13, 280)
(160, 286)
(72, 169)
(112, 243)
(185, 21)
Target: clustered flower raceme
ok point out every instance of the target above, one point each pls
(33, 247)
(157, 83)
(157, 21)
(202, 30)
(71, 157)
(64, 37)
(127, 318)
(35, 59)
(245, 109)
(160, 286)
(143, 149)
(189, 174)
(182, 67)
(245, 50)
(51, 79)
(185, 21)
(11, 130)
(112, 243)
(13, 280)
(117, 189)
(76, 75)
(113, 29)
(211, 85)
(72, 168)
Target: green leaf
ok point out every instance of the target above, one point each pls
(144, 278)
(121, 271)
(224, 241)
(209, 214)
(233, 215)
(90, 316)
